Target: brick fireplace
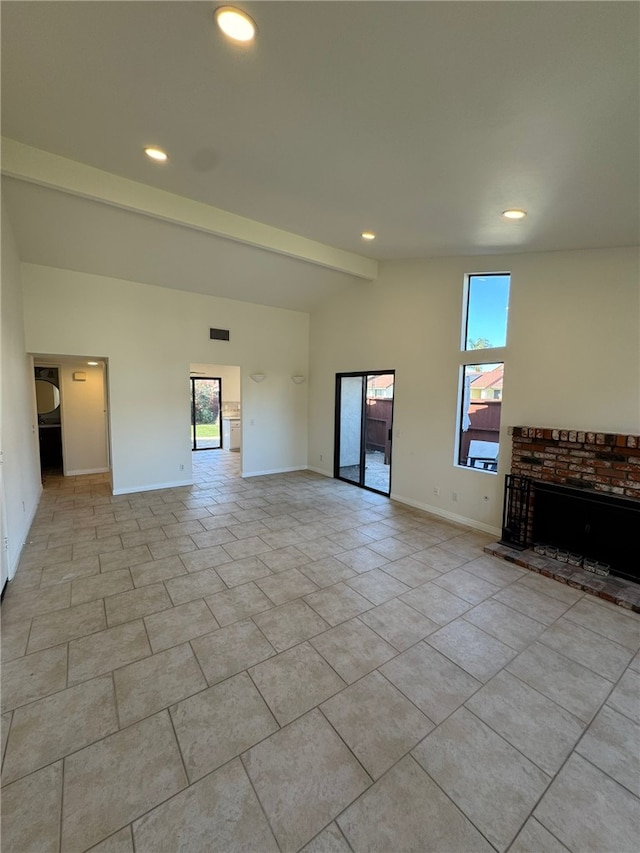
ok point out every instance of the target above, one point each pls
(605, 462)
(586, 486)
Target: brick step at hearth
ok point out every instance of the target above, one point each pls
(617, 590)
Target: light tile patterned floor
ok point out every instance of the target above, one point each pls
(290, 663)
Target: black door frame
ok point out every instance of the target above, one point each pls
(364, 374)
(195, 379)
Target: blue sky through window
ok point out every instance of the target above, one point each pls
(488, 309)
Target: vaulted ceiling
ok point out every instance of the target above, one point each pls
(419, 121)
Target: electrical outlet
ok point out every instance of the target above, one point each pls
(321, 457)
(454, 496)
(436, 490)
(182, 467)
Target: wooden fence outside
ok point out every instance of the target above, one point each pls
(485, 425)
(379, 414)
(483, 414)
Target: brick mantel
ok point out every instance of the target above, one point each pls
(606, 462)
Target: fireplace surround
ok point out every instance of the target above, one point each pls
(605, 462)
(582, 527)
(572, 509)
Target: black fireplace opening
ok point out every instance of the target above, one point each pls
(594, 525)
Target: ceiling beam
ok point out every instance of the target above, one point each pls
(49, 170)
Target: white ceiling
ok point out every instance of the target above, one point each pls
(61, 230)
(421, 121)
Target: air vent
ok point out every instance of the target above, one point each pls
(219, 334)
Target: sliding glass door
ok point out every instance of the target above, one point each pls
(363, 429)
(206, 394)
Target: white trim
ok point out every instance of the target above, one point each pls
(156, 487)
(322, 471)
(451, 516)
(469, 468)
(274, 471)
(87, 471)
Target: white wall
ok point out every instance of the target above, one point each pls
(84, 433)
(572, 356)
(151, 336)
(20, 485)
(572, 361)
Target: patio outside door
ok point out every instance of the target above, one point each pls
(363, 429)
(206, 394)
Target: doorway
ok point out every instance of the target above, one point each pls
(71, 394)
(206, 394)
(47, 380)
(363, 429)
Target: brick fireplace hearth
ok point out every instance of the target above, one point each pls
(596, 464)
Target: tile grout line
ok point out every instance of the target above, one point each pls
(242, 761)
(356, 617)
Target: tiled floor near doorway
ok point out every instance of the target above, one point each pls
(289, 662)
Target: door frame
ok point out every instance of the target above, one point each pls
(193, 380)
(364, 374)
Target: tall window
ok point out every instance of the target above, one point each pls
(484, 338)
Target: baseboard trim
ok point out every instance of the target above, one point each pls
(81, 471)
(321, 471)
(450, 516)
(273, 471)
(155, 487)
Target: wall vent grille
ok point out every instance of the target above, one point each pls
(219, 334)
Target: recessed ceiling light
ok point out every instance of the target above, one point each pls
(156, 154)
(235, 23)
(93, 363)
(368, 235)
(514, 213)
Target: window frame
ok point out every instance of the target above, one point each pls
(465, 310)
(487, 355)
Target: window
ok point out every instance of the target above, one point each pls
(487, 304)
(484, 330)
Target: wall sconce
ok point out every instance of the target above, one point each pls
(258, 377)
(297, 379)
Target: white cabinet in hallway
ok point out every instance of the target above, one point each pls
(231, 433)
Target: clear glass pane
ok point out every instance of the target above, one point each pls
(206, 413)
(378, 415)
(350, 427)
(487, 311)
(480, 416)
